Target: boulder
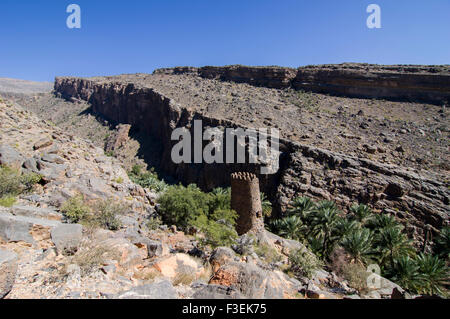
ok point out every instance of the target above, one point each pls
(98, 186)
(383, 287)
(8, 269)
(157, 248)
(173, 265)
(255, 282)
(35, 212)
(53, 158)
(159, 290)
(19, 228)
(67, 237)
(31, 165)
(45, 142)
(10, 157)
(130, 255)
(220, 256)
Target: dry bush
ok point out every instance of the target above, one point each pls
(304, 263)
(184, 279)
(338, 259)
(147, 274)
(185, 276)
(356, 275)
(90, 257)
(207, 273)
(269, 254)
(96, 214)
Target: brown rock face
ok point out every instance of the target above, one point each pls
(118, 139)
(429, 84)
(246, 201)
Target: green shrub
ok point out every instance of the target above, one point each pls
(136, 170)
(104, 214)
(220, 199)
(304, 263)
(154, 223)
(7, 201)
(75, 210)
(227, 216)
(442, 243)
(10, 182)
(181, 206)
(29, 180)
(210, 213)
(269, 254)
(217, 233)
(99, 214)
(147, 179)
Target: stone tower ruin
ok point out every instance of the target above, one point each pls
(246, 201)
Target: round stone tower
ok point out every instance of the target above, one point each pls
(246, 201)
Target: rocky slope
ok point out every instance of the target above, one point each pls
(16, 86)
(391, 155)
(42, 256)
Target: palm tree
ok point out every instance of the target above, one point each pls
(362, 213)
(392, 243)
(302, 207)
(316, 245)
(323, 222)
(405, 272)
(345, 227)
(383, 221)
(442, 243)
(266, 205)
(290, 227)
(219, 199)
(359, 245)
(435, 272)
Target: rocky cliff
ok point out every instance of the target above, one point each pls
(430, 84)
(416, 197)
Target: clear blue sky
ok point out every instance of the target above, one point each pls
(139, 36)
